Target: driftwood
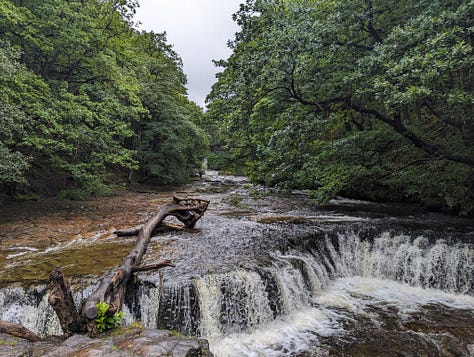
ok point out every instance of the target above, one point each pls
(113, 285)
(164, 227)
(62, 302)
(164, 263)
(18, 331)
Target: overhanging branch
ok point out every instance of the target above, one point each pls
(397, 125)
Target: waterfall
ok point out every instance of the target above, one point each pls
(440, 265)
(178, 307)
(29, 307)
(236, 301)
(240, 301)
(232, 302)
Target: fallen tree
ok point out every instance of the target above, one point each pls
(112, 288)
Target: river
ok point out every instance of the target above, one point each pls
(265, 274)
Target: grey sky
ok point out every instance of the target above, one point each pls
(198, 30)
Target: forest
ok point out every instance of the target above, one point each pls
(369, 99)
(88, 102)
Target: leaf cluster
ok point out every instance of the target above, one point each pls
(104, 322)
(80, 88)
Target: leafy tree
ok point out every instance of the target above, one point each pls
(365, 98)
(94, 99)
(16, 85)
(80, 50)
(13, 163)
(170, 145)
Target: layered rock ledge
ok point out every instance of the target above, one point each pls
(128, 341)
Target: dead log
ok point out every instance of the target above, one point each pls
(113, 285)
(127, 232)
(18, 331)
(62, 302)
(164, 227)
(165, 263)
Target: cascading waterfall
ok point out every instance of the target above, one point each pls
(413, 261)
(232, 302)
(178, 309)
(289, 299)
(242, 300)
(305, 296)
(29, 307)
(143, 304)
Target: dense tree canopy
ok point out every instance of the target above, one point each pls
(86, 99)
(367, 98)
(13, 163)
(171, 146)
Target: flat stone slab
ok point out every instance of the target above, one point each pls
(128, 341)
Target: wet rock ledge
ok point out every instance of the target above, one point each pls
(128, 341)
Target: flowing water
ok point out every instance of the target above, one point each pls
(266, 274)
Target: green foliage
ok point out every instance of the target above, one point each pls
(27, 197)
(73, 194)
(103, 321)
(80, 88)
(13, 163)
(171, 146)
(369, 99)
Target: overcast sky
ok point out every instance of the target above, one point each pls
(198, 30)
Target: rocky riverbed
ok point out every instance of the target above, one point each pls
(264, 274)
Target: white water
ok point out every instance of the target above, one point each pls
(287, 335)
(30, 308)
(300, 331)
(317, 291)
(232, 301)
(290, 306)
(443, 266)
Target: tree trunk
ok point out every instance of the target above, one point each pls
(62, 302)
(164, 227)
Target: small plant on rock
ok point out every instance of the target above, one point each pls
(103, 321)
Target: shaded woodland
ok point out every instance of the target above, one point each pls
(368, 99)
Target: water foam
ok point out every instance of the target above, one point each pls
(345, 298)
